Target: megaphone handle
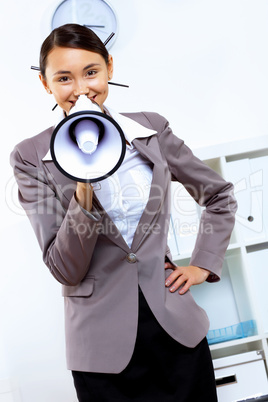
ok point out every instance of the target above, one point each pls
(84, 195)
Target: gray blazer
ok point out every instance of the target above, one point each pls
(99, 272)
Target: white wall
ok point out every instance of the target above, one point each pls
(201, 63)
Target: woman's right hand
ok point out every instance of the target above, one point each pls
(84, 195)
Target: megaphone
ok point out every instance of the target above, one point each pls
(88, 145)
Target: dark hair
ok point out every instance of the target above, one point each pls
(74, 36)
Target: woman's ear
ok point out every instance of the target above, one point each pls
(44, 82)
(110, 67)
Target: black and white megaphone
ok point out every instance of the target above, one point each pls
(88, 145)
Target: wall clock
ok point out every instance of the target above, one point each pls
(97, 15)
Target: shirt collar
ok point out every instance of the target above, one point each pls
(131, 128)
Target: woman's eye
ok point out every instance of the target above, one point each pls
(91, 72)
(63, 79)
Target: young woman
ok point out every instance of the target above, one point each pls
(133, 330)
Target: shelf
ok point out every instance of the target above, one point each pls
(242, 293)
(247, 145)
(232, 247)
(235, 342)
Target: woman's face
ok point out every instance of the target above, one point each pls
(73, 72)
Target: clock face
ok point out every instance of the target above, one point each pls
(94, 14)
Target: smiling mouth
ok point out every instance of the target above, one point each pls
(92, 98)
(73, 102)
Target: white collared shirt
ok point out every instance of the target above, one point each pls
(124, 195)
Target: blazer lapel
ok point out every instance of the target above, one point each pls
(149, 148)
(65, 186)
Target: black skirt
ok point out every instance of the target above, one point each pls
(160, 370)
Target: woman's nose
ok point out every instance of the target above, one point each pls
(81, 89)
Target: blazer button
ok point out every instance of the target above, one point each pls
(131, 257)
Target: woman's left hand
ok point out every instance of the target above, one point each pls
(186, 276)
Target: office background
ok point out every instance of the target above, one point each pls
(201, 63)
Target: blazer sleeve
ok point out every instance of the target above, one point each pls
(209, 190)
(67, 237)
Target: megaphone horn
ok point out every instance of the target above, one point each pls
(87, 145)
(87, 132)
